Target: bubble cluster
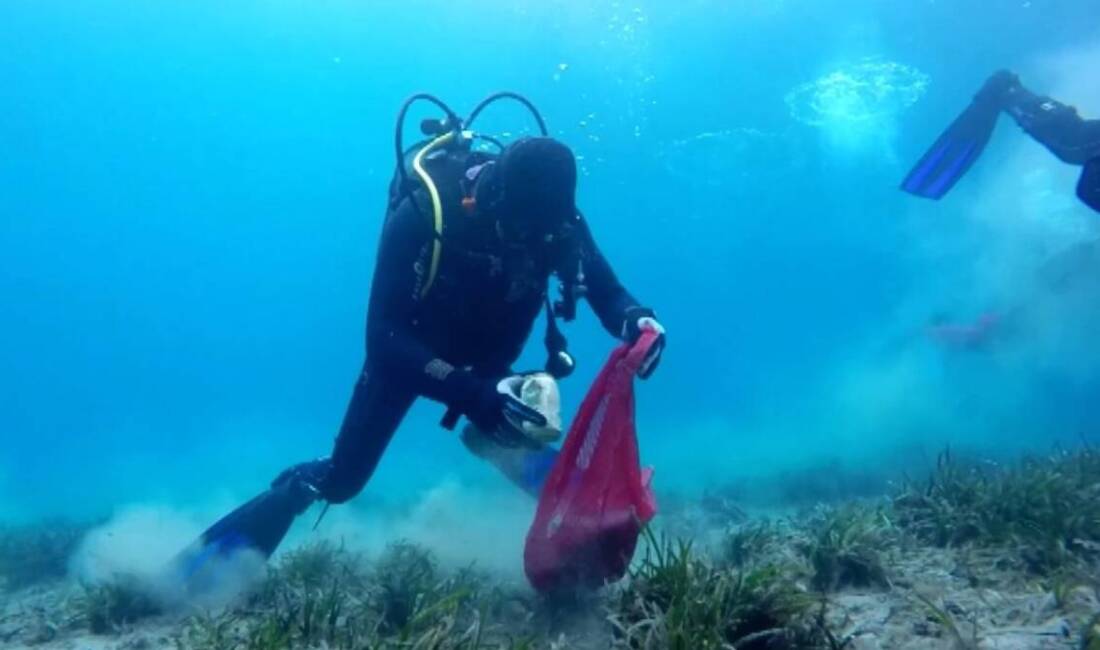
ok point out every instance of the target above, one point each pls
(735, 159)
(866, 91)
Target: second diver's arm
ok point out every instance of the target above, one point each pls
(613, 304)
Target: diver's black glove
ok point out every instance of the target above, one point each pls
(999, 89)
(637, 320)
(498, 412)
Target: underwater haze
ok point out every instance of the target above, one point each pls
(191, 195)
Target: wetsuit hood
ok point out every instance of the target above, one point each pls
(531, 189)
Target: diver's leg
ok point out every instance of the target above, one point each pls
(1055, 125)
(373, 415)
(376, 410)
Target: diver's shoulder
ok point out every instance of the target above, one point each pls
(410, 213)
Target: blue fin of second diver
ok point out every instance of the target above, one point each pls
(953, 152)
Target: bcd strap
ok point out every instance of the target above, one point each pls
(559, 363)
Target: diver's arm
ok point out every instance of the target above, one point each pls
(612, 303)
(393, 347)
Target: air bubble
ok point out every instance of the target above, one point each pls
(867, 91)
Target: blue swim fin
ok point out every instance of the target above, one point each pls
(255, 528)
(953, 152)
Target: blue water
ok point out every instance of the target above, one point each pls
(191, 194)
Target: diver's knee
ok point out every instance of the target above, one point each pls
(343, 483)
(342, 490)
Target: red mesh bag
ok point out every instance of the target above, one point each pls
(596, 498)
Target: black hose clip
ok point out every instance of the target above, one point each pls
(431, 126)
(566, 306)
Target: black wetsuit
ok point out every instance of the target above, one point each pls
(470, 325)
(1060, 129)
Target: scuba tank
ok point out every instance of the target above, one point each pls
(454, 137)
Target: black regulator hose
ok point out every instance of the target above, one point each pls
(398, 136)
(508, 95)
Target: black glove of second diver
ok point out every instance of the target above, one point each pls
(500, 414)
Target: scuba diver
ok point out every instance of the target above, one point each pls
(964, 335)
(1061, 130)
(1068, 282)
(1054, 125)
(471, 238)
